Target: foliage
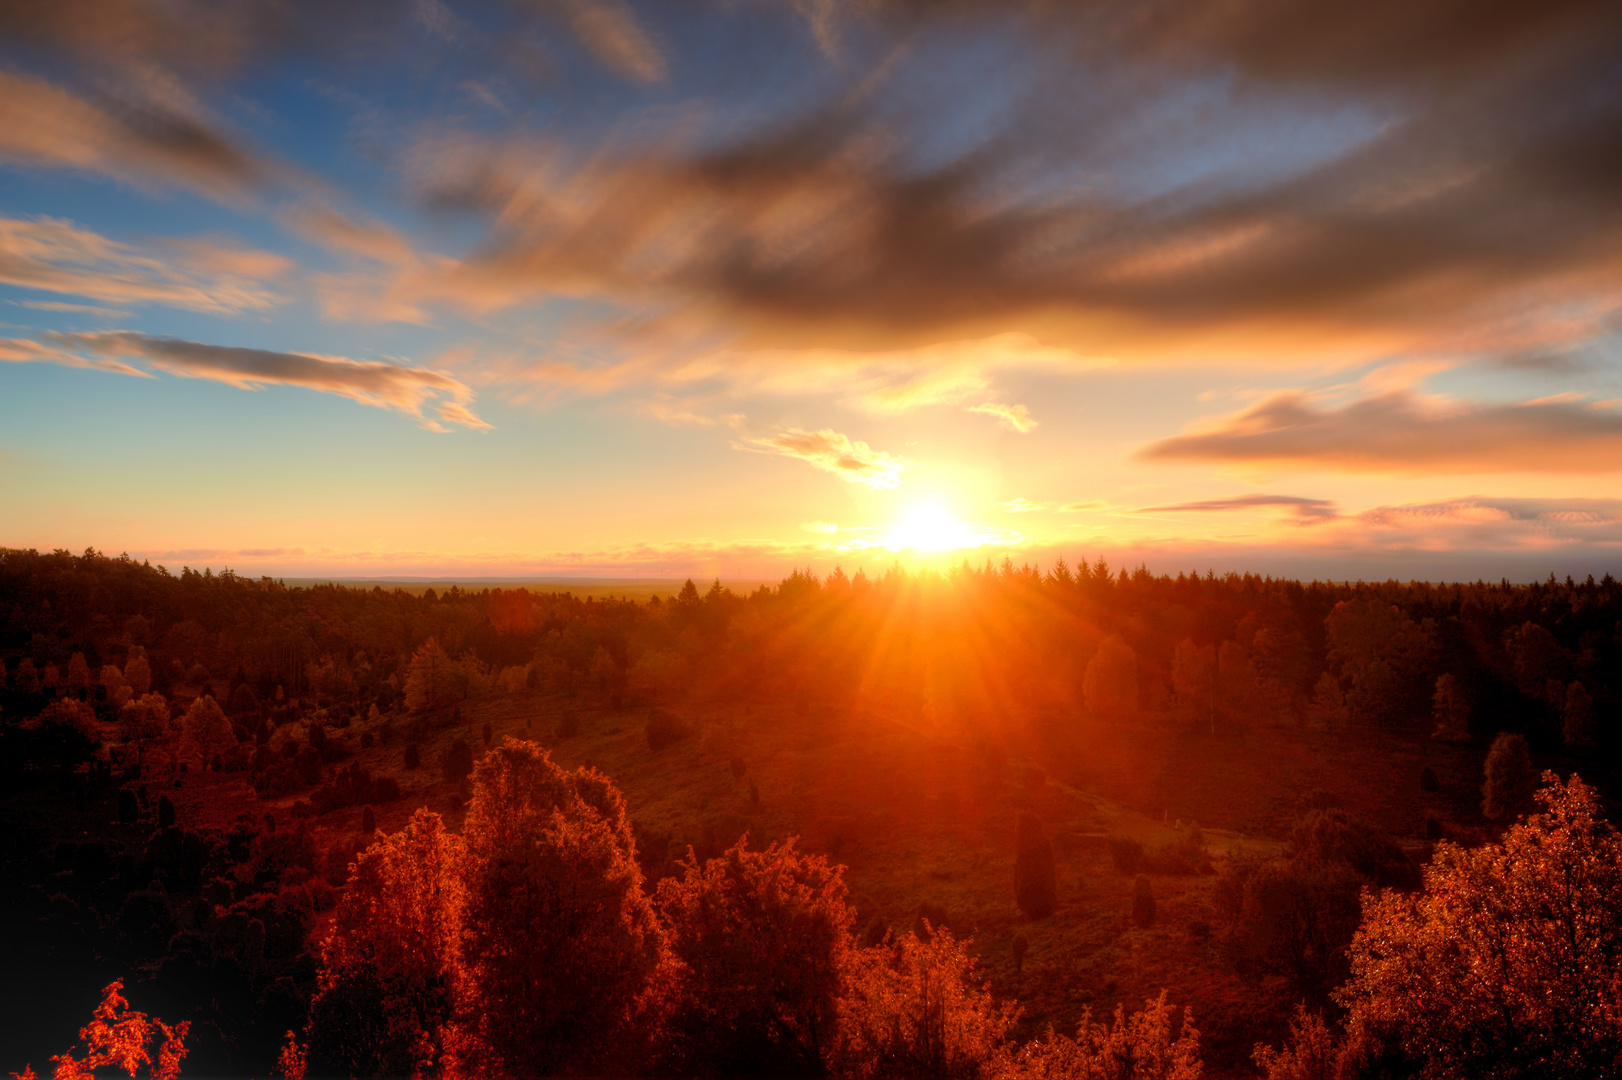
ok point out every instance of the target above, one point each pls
(1508, 776)
(912, 1009)
(1140, 1046)
(1309, 1051)
(433, 680)
(205, 731)
(118, 1038)
(761, 940)
(1508, 963)
(1451, 710)
(558, 941)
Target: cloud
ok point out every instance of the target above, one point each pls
(825, 527)
(77, 309)
(24, 351)
(1309, 510)
(1023, 506)
(55, 255)
(852, 461)
(145, 140)
(611, 32)
(377, 383)
(1401, 432)
(1081, 507)
(1013, 417)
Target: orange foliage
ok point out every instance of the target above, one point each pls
(762, 939)
(117, 1038)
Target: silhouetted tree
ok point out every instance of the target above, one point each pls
(1035, 879)
(1577, 726)
(1450, 708)
(1509, 776)
(205, 731)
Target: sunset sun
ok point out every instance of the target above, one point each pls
(928, 528)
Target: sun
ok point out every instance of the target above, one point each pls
(928, 527)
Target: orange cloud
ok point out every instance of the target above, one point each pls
(380, 384)
(1013, 417)
(151, 140)
(852, 461)
(1399, 432)
(54, 255)
(1308, 510)
(24, 351)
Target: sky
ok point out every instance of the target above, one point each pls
(607, 288)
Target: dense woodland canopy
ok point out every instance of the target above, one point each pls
(432, 949)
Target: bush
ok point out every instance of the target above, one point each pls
(1137, 1045)
(457, 764)
(664, 729)
(763, 937)
(1035, 879)
(1126, 853)
(1143, 902)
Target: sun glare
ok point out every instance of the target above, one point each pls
(929, 528)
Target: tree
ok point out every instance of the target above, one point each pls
(1536, 657)
(761, 939)
(1577, 727)
(389, 965)
(1507, 964)
(27, 678)
(1110, 682)
(205, 731)
(558, 941)
(1328, 704)
(78, 681)
(112, 681)
(433, 679)
(1508, 776)
(138, 672)
(1450, 707)
(147, 717)
(1035, 879)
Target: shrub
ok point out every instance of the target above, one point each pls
(762, 937)
(1136, 1045)
(457, 763)
(664, 729)
(1035, 879)
(1126, 853)
(1143, 902)
(913, 1008)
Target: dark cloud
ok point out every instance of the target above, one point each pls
(371, 382)
(1307, 509)
(1399, 432)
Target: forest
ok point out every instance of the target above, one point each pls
(992, 821)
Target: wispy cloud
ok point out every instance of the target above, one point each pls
(851, 460)
(1013, 417)
(384, 385)
(55, 255)
(155, 139)
(1402, 432)
(1024, 506)
(1311, 510)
